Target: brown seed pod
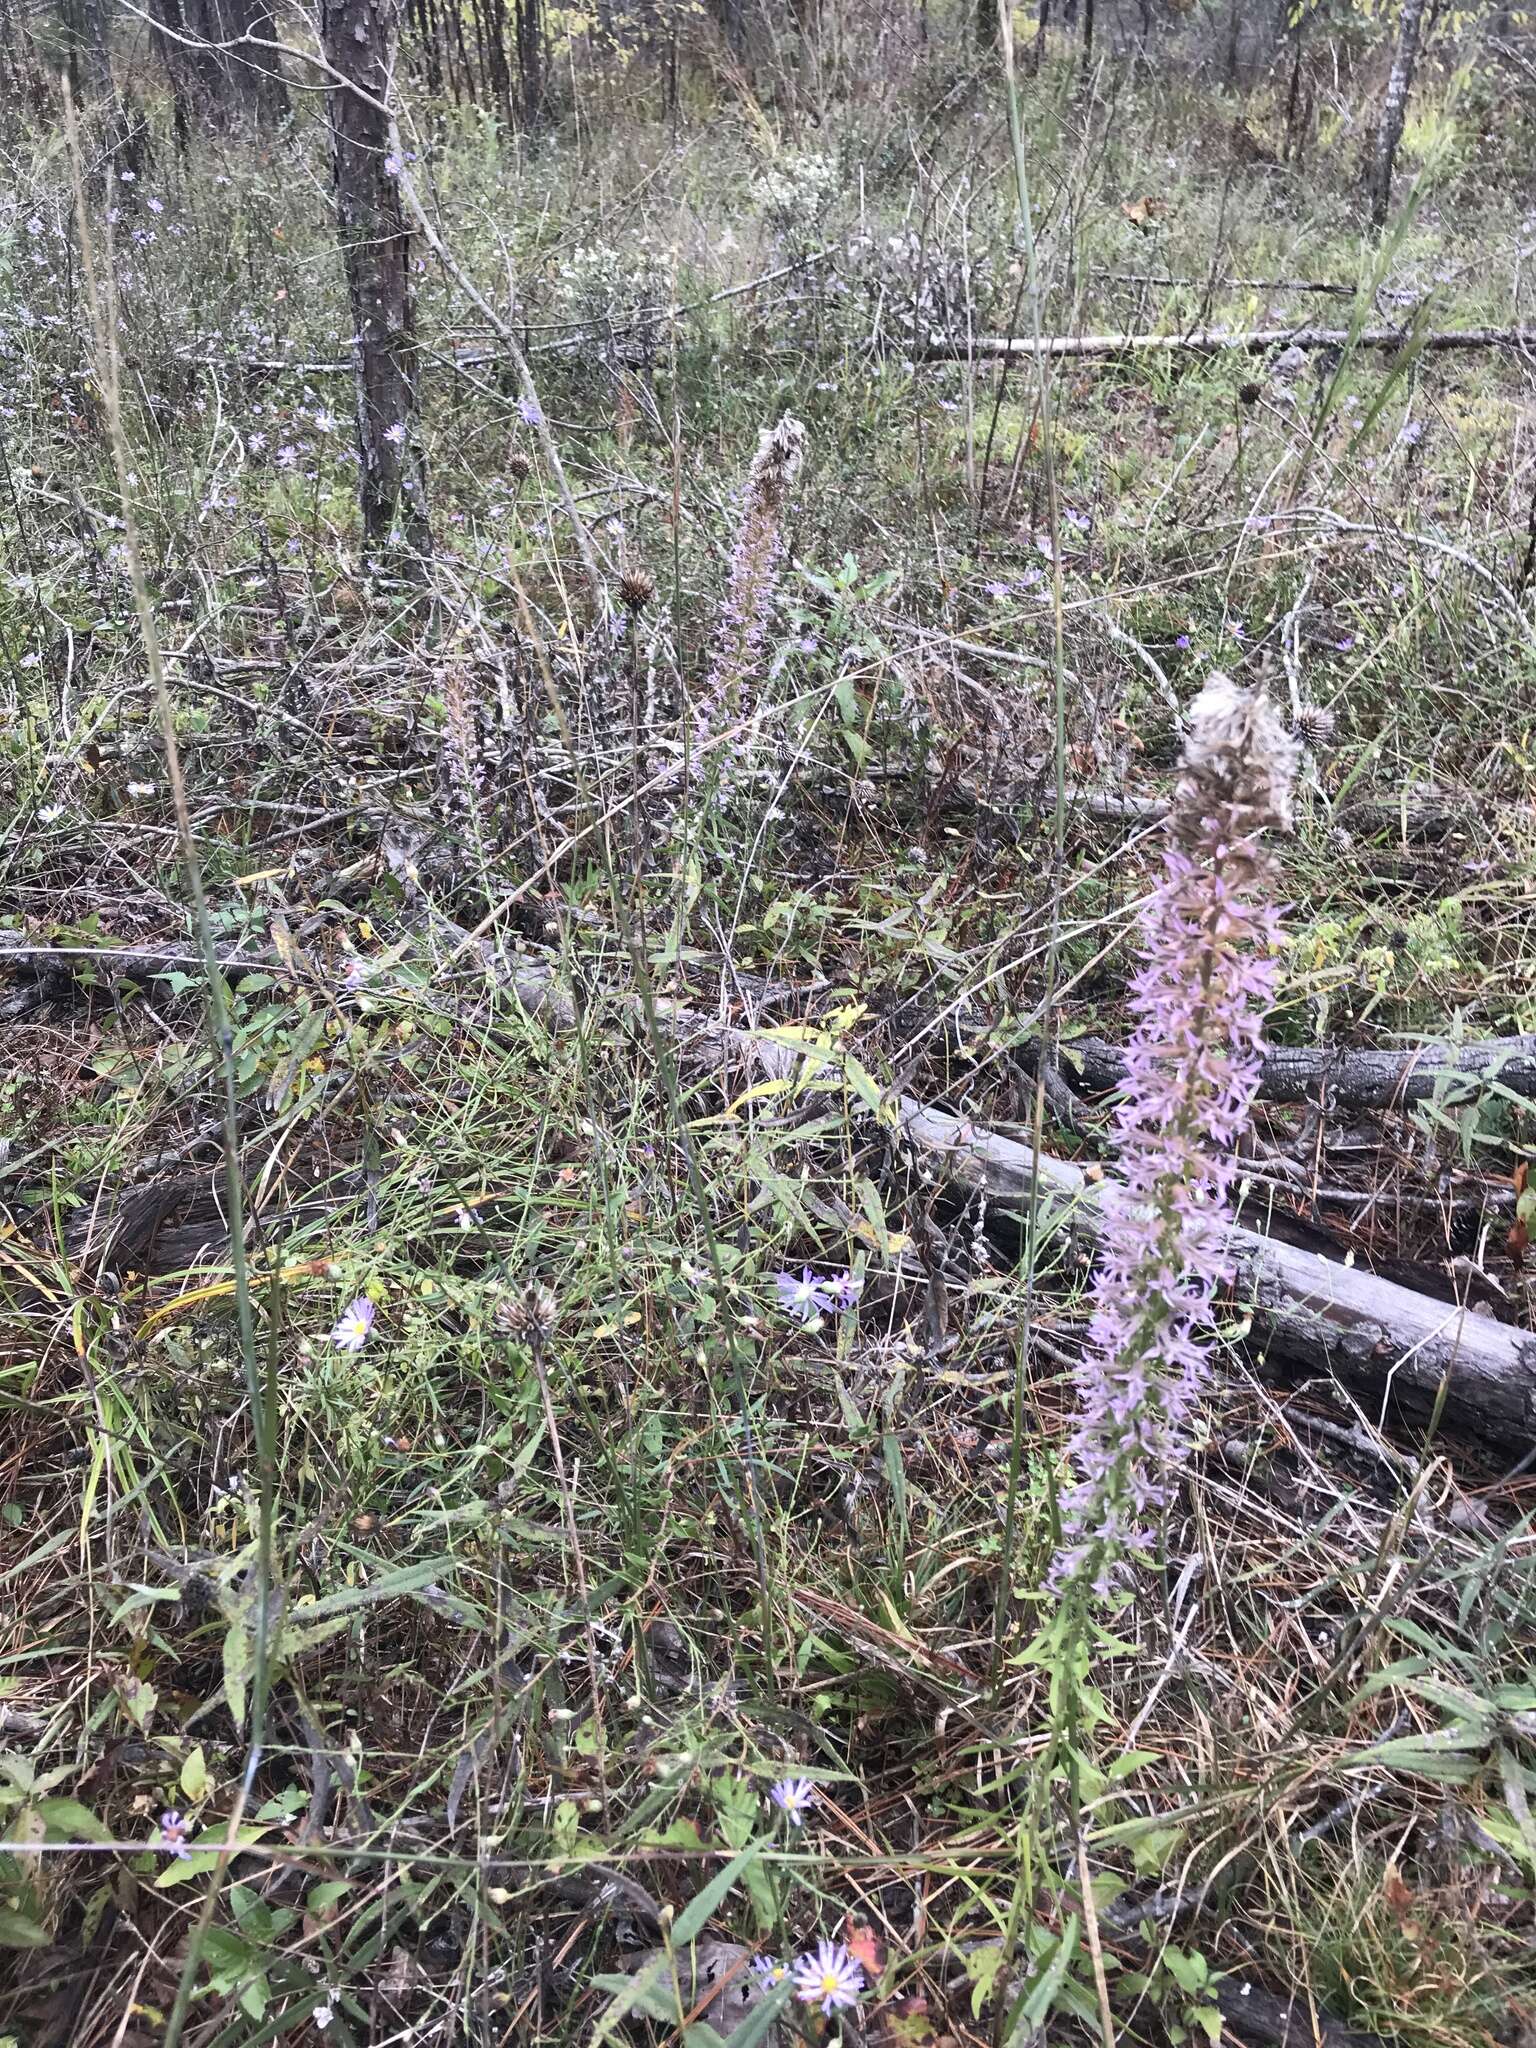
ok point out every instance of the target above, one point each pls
(636, 589)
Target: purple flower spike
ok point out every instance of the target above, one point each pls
(794, 1797)
(351, 1332)
(805, 1297)
(1199, 998)
(829, 1978)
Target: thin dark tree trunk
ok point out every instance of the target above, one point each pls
(1293, 97)
(89, 52)
(1087, 34)
(260, 71)
(1042, 23)
(359, 38)
(987, 26)
(1394, 110)
(528, 30)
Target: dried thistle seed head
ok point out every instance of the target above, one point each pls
(531, 1316)
(1239, 760)
(1315, 727)
(519, 468)
(636, 589)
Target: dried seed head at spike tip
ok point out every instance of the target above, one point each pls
(777, 463)
(1239, 760)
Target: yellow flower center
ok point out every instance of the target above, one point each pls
(829, 1982)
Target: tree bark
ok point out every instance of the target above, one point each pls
(1394, 110)
(359, 38)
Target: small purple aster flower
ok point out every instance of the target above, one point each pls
(1345, 644)
(1182, 641)
(351, 1332)
(173, 1833)
(395, 435)
(794, 1798)
(804, 1297)
(843, 1292)
(393, 165)
(998, 591)
(830, 1978)
(530, 412)
(769, 1971)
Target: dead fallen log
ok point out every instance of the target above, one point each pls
(1394, 1348)
(1353, 1078)
(941, 348)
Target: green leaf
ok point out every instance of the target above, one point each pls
(139, 1701)
(1044, 1988)
(195, 1781)
(238, 1659)
(203, 1853)
(1208, 2019)
(982, 1966)
(691, 1921)
(68, 1821)
(643, 1991)
(17, 1931)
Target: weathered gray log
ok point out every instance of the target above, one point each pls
(1212, 341)
(1354, 1078)
(1386, 1342)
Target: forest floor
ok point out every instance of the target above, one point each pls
(600, 1532)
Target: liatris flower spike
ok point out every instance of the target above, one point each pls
(754, 574)
(1199, 999)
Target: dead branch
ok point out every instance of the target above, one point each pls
(1352, 1078)
(1395, 1346)
(1213, 340)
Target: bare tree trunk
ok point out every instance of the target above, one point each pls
(359, 38)
(1394, 110)
(89, 52)
(986, 24)
(260, 71)
(528, 33)
(1293, 96)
